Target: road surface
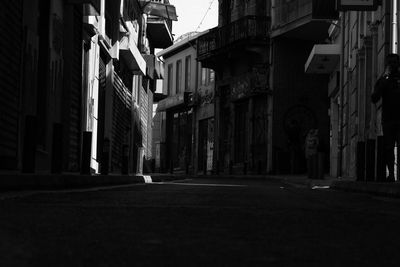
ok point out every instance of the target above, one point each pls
(199, 222)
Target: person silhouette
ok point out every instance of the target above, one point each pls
(387, 88)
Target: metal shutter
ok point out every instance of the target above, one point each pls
(121, 121)
(10, 54)
(76, 92)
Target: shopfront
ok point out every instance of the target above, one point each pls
(179, 123)
(205, 145)
(180, 139)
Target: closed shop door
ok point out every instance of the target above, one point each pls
(10, 54)
(206, 144)
(241, 110)
(202, 146)
(101, 111)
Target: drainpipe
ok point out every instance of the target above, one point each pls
(341, 104)
(394, 27)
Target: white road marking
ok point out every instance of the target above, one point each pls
(194, 184)
(148, 180)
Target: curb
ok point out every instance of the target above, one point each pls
(16, 182)
(62, 181)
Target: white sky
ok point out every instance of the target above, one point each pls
(190, 14)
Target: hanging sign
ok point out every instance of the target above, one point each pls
(357, 5)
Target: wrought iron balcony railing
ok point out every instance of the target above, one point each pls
(246, 28)
(285, 12)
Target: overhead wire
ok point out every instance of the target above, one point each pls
(205, 15)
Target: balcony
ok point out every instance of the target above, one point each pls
(249, 28)
(303, 19)
(154, 67)
(159, 32)
(323, 58)
(159, 22)
(131, 55)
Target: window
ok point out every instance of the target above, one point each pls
(211, 76)
(203, 76)
(188, 71)
(178, 76)
(169, 84)
(136, 88)
(207, 76)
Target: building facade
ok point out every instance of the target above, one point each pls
(238, 51)
(186, 116)
(346, 48)
(365, 36)
(77, 88)
(300, 99)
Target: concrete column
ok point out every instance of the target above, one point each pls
(109, 106)
(251, 165)
(218, 161)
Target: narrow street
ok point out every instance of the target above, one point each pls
(227, 222)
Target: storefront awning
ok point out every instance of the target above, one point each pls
(323, 58)
(132, 56)
(172, 102)
(157, 97)
(357, 5)
(159, 9)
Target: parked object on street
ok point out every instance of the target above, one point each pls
(311, 153)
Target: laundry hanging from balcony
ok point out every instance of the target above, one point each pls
(160, 9)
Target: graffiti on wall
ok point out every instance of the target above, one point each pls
(251, 83)
(205, 96)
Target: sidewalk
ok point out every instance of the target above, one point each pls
(351, 185)
(343, 184)
(375, 188)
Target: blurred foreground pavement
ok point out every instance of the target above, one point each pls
(199, 222)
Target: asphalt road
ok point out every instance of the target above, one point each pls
(199, 223)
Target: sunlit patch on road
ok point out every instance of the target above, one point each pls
(147, 179)
(320, 187)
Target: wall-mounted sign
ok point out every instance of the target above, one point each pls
(357, 5)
